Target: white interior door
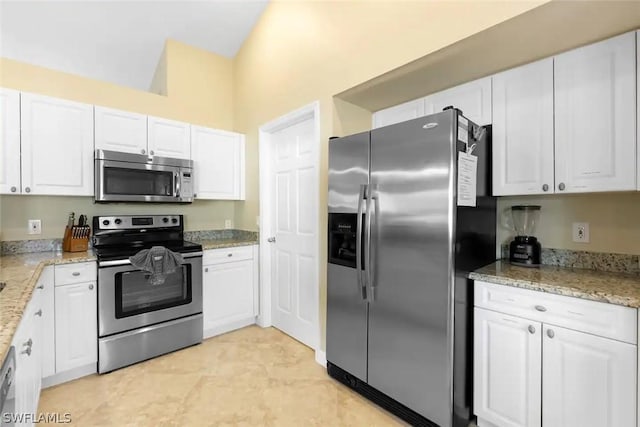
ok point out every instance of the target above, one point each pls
(294, 224)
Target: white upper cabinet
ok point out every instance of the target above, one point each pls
(523, 130)
(57, 146)
(168, 138)
(118, 130)
(473, 98)
(219, 163)
(9, 141)
(595, 90)
(399, 113)
(587, 380)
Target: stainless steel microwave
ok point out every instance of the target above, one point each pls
(127, 177)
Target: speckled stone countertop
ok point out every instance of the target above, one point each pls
(20, 273)
(614, 288)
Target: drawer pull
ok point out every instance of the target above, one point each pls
(38, 313)
(206, 270)
(27, 351)
(541, 308)
(550, 333)
(40, 287)
(531, 329)
(75, 273)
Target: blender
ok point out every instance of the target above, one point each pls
(525, 249)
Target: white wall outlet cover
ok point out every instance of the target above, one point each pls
(580, 232)
(35, 226)
(228, 224)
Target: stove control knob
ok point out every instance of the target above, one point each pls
(165, 219)
(118, 221)
(174, 220)
(106, 222)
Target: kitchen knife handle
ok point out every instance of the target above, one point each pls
(362, 286)
(368, 250)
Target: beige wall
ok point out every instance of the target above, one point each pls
(612, 217)
(199, 88)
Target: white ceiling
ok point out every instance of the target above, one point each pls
(120, 41)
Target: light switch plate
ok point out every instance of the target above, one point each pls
(581, 232)
(228, 224)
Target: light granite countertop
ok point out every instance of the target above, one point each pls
(20, 273)
(614, 288)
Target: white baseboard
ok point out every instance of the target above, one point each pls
(228, 327)
(321, 358)
(70, 375)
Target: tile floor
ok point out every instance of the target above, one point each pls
(250, 377)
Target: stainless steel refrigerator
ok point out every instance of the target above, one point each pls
(399, 304)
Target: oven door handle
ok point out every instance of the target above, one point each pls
(116, 262)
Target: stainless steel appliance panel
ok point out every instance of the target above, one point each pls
(348, 170)
(346, 307)
(8, 389)
(411, 266)
(141, 344)
(109, 323)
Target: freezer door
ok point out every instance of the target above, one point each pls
(411, 264)
(346, 307)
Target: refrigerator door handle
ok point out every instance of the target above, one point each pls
(362, 285)
(368, 251)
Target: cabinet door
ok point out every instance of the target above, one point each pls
(523, 130)
(595, 144)
(23, 380)
(46, 280)
(228, 294)
(398, 113)
(76, 326)
(57, 146)
(9, 141)
(37, 349)
(118, 130)
(587, 380)
(169, 138)
(218, 162)
(507, 370)
(473, 98)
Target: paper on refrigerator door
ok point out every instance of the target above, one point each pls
(467, 179)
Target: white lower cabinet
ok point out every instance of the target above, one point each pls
(76, 325)
(531, 372)
(230, 289)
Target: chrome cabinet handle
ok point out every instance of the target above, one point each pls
(38, 313)
(531, 329)
(28, 343)
(75, 273)
(541, 308)
(545, 187)
(271, 240)
(27, 190)
(27, 351)
(206, 270)
(550, 333)
(40, 287)
(561, 186)
(14, 189)
(151, 152)
(90, 287)
(143, 151)
(229, 255)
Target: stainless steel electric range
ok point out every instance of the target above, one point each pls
(136, 319)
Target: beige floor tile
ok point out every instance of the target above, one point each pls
(249, 377)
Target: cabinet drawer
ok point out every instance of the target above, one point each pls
(218, 256)
(75, 273)
(598, 318)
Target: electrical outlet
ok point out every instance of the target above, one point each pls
(228, 224)
(581, 232)
(35, 226)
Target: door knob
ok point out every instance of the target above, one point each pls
(90, 287)
(151, 152)
(545, 187)
(14, 189)
(531, 329)
(206, 270)
(271, 240)
(550, 333)
(143, 151)
(561, 186)
(27, 190)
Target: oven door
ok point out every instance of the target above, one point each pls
(127, 300)
(118, 181)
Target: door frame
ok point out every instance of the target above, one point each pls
(265, 147)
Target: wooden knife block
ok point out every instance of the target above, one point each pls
(74, 244)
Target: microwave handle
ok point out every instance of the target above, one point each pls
(177, 182)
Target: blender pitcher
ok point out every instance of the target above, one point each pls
(525, 249)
